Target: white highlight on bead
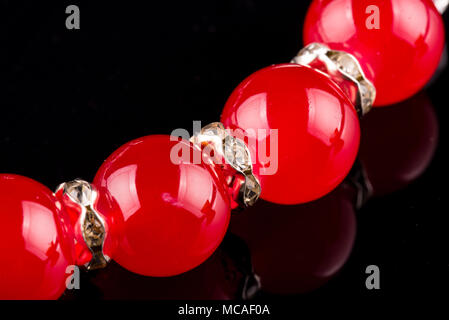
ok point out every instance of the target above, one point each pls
(441, 5)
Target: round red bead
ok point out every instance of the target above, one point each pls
(174, 215)
(35, 246)
(397, 42)
(317, 128)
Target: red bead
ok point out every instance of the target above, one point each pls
(174, 215)
(34, 245)
(318, 131)
(399, 54)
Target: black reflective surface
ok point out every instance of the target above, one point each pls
(70, 98)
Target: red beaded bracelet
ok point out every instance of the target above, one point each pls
(161, 214)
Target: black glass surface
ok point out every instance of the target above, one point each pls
(69, 98)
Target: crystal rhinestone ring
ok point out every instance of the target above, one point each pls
(80, 194)
(344, 69)
(236, 154)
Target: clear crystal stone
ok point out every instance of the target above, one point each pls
(236, 154)
(344, 69)
(214, 129)
(310, 53)
(252, 190)
(348, 65)
(212, 133)
(79, 191)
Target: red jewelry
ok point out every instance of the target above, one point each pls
(325, 126)
(399, 54)
(160, 217)
(35, 245)
(175, 215)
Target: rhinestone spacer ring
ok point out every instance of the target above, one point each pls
(236, 154)
(83, 194)
(344, 69)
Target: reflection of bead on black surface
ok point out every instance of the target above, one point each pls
(296, 249)
(238, 262)
(228, 274)
(398, 143)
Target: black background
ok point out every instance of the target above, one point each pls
(68, 98)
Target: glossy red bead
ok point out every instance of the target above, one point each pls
(317, 131)
(399, 52)
(174, 214)
(35, 247)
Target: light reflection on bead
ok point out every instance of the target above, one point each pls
(399, 57)
(318, 130)
(175, 215)
(36, 247)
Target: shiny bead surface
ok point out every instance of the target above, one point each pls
(35, 247)
(174, 215)
(317, 131)
(399, 54)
